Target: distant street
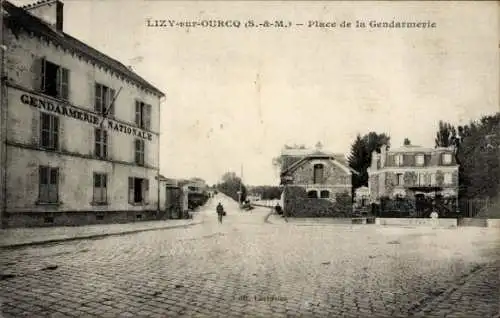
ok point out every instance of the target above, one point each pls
(258, 266)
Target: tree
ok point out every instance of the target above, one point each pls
(478, 155)
(358, 161)
(230, 185)
(407, 142)
(360, 156)
(446, 135)
(267, 192)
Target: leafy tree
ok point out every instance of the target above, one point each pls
(446, 135)
(478, 154)
(267, 192)
(360, 156)
(230, 185)
(358, 161)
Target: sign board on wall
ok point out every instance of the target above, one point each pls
(67, 110)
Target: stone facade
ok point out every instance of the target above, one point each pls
(53, 91)
(412, 171)
(317, 185)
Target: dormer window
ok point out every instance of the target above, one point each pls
(419, 160)
(398, 160)
(447, 158)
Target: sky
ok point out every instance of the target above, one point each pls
(235, 96)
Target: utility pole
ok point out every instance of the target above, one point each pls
(3, 122)
(241, 185)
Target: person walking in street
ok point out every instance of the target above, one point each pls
(220, 212)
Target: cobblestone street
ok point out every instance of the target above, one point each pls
(252, 265)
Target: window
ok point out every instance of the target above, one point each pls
(325, 194)
(433, 179)
(138, 190)
(143, 115)
(48, 191)
(49, 131)
(318, 173)
(421, 179)
(104, 96)
(448, 178)
(100, 188)
(446, 158)
(101, 143)
(54, 80)
(399, 160)
(139, 146)
(343, 180)
(419, 160)
(399, 179)
(313, 194)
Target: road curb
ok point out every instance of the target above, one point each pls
(93, 236)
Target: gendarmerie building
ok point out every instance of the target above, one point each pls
(80, 130)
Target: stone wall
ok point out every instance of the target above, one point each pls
(333, 174)
(298, 205)
(79, 218)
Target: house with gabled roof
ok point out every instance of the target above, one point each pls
(316, 183)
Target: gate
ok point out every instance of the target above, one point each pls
(173, 202)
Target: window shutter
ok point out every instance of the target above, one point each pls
(64, 85)
(104, 184)
(105, 143)
(35, 129)
(58, 82)
(44, 130)
(98, 98)
(137, 151)
(145, 188)
(38, 70)
(147, 115)
(130, 190)
(137, 113)
(143, 151)
(53, 187)
(111, 102)
(55, 131)
(43, 184)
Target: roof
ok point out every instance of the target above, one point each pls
(319, 155)
(19, 18)
(414, 148)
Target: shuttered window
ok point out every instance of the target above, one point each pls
(48, 184)
(143, 115)
(104, 100)
(100, 188)
(49, 131)
(52, 79)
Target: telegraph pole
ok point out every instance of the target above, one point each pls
(3, 122)
(241, 185)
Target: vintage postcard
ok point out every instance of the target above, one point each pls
(249, 158)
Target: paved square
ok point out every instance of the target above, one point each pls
(249, 267)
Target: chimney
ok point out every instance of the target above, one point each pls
(50, 11)
(375, 161)
(383, 155)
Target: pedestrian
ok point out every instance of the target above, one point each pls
(434, 217)
(220, 212)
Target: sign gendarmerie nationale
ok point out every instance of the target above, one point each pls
(72, 112)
